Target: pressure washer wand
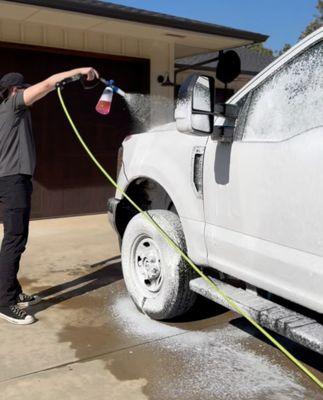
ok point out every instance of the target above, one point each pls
(65, 81)
(104, 104)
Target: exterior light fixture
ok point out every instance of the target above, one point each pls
(164, 80)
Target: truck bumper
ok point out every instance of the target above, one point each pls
(112, 211)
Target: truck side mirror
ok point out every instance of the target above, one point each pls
(195, 105)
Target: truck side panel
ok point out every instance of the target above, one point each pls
(156, 155)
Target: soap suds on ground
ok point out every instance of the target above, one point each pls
(215, 364)
(135, 323)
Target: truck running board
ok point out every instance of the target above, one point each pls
(288, 323)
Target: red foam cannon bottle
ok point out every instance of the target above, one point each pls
(104, 103)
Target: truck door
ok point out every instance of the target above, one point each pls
(263, 193)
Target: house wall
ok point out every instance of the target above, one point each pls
(235, 85)
(160, 53)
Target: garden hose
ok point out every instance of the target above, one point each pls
(172, 244)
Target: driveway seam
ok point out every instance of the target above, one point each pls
(97, 356)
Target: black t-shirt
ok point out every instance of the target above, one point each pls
(17, 147)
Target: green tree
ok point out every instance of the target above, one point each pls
(260, 48)
(286, 47)
(316, 23)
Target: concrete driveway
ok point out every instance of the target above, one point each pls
(90, 342)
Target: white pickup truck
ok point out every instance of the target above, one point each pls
(238, 187)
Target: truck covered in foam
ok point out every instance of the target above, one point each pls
(239, 187)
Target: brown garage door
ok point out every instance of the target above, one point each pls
(65, 182)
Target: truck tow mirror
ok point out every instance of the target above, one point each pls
(195, 105)
(202, 95)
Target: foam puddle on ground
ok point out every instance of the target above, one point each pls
(215, 364)
(135, 323)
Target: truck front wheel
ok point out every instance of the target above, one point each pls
(157, 278)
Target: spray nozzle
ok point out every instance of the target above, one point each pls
(110, 84)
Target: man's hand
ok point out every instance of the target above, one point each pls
(41, 89)
(90, 73)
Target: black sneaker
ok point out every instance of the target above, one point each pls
(25, 300)
(15, 315)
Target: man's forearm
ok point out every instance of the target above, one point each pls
(41, 89)
(52, 80)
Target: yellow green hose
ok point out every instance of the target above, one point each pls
(184, 256)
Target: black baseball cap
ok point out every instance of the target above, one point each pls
(13, 79)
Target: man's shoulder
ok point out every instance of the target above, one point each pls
(6, 105)
(13, 103)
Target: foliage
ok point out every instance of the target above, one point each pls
(260, 48)
(286, 47)
(316, 23)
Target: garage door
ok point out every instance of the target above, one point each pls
(65, 182)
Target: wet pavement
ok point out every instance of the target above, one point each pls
(90, 341)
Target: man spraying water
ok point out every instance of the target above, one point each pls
(17, 165)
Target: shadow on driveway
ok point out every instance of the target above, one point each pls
(303, 354)
(109, 272)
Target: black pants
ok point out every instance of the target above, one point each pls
(15, 194)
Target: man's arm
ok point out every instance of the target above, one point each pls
(41, 89)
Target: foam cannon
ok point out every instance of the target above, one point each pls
(104, 104)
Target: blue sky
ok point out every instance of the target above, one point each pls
(282, 20)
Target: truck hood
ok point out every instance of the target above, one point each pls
(171, 126)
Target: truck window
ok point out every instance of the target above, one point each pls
(289, 102)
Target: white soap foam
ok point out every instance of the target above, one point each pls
(214, 365)
(289, 103)
(218, 365)
(149, 111)
(135, 323)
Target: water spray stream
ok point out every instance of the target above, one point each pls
(149, 111)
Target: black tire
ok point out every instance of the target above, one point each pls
(166, 295)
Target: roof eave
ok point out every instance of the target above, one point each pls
(150, 18)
